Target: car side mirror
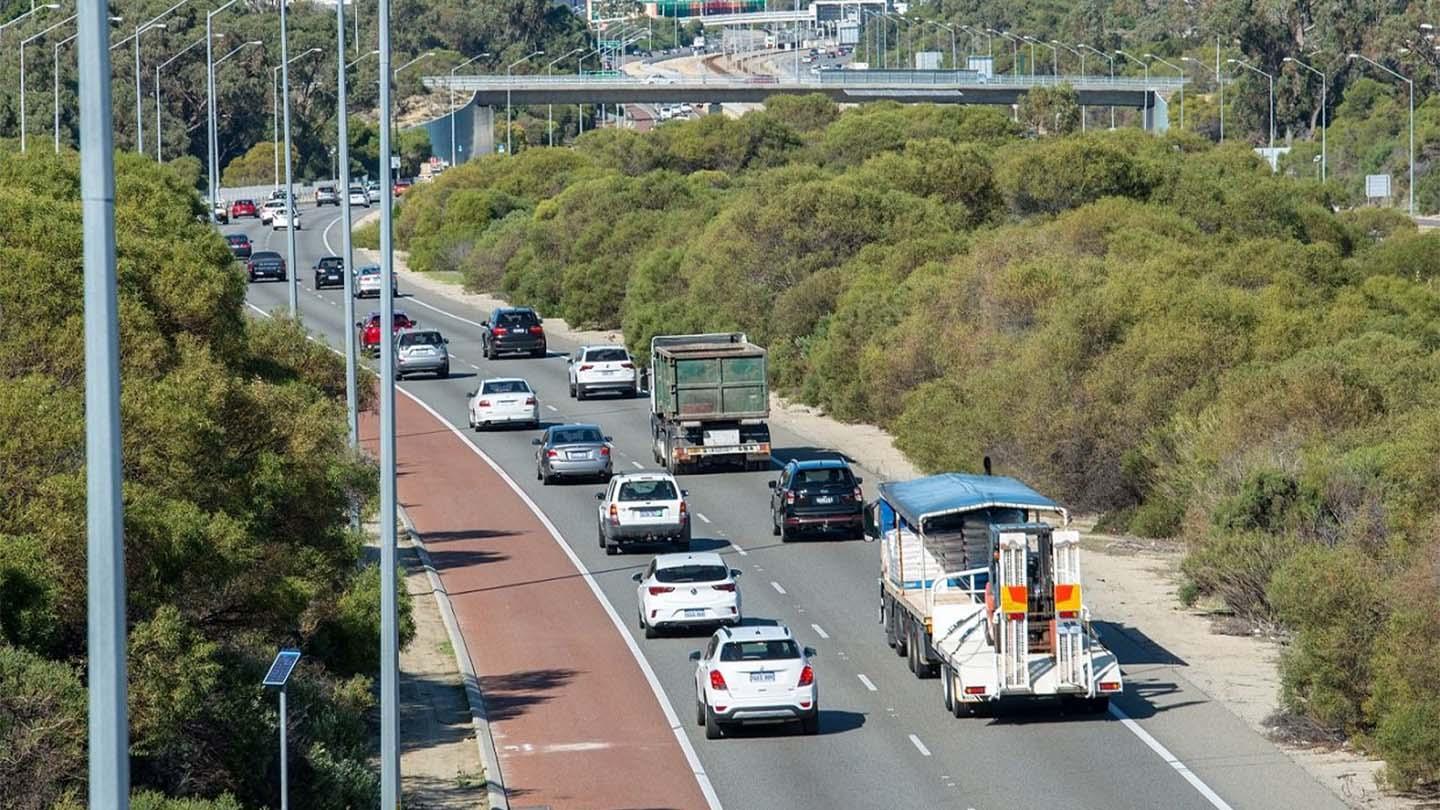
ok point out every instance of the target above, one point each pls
(637, 577)
(599, 496)
(859, 480)
(446, 341)
(736, 572)
(470, 393)
(694, 655)
(536, 442)
(810, 652)
(772, 484)
(684, 493)
(608, 438)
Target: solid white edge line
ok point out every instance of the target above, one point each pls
(1170, 759)
(777, 587)
(443, 312)
(697, 770)
(919, 746)
(702, 517)
(868, 683)
(819, 631)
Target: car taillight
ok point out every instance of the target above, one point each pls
(807, 676)
(484, 403)
(614, 514)
(500, 331)
(724, 586)
(684, 513)
(717, 681)
(858, 495)
(586, 367)
(790, 498)
(552, 454)
(530, 400)
(250, 266)
(537, 330)
(627, 365)
(656, 590)
(604, 451)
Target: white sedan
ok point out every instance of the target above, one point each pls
(596, 369)
(359, 197)
(685, 590)
(754, 674)
(504, 401)
(283, 219)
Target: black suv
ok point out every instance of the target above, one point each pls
(239, 244)
(821, 495)
(513, 330)
(329, 270)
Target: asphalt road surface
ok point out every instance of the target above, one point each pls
(886, 740)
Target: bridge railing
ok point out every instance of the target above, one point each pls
(960, 79)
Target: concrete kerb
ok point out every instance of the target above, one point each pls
(480, 720)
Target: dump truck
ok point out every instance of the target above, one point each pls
(709, 400)
(980, 586)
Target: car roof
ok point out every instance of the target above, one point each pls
(757, 632)
(374, 314)
(820, 464)
(573, 425)
(645, 476)
(505, 379)
(685, 558)
(237, 236)
(604, 346)
(502, 310)
(264, 254)
(365, 268)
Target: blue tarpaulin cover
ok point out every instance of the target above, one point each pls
(948, 493)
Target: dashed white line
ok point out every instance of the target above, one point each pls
(819, 631)
(866, 681)
(552, 408)
(701, 515)
(743, 552)
(638, 465)
(777, 587)
(919, 746)
(472, 365)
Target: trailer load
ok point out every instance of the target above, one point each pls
(709, 401)
(980, 586)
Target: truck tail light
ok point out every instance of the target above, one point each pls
(974, 690)
(858, 495)
(725, 586)
(790, 498)
(627, 365)
(484, 403)
(684, 513)
(717, 681)
(614, 515)
(1109, 686)
(656, 590)
(807, 676)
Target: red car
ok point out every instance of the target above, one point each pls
(401, 186)
(243, 208)
(370, 330)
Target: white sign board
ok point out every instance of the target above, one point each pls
(983, 65)
(927, 60)
(394, 163)
(1377, 186)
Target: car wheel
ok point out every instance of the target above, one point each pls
(699, 713)
(580, 393)
(713, 729)
(572, 390)
(600, 535)
(538, 352)
(651, 632)
(774, 525)
(786, 535)
(489, 355)
(612, 549)
(810, 726)
(252, 278)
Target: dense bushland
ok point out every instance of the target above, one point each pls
(1152, 328)
(238, 480)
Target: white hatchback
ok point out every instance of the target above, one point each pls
(755, 674)
(593, 369)
(685, 590)
(504, 401)
(282, 218)
(267, 211)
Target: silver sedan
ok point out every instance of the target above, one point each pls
(572, 451)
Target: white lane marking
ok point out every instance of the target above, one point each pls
(472, 365)
(1170, 759)
(777, 587)
(819, 631)
(701, 515)
(638, 465)
(919, 746)
(552, 407)
(867, 682)
(697, 770)
(743, 552)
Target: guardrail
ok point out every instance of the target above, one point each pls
(830, 78)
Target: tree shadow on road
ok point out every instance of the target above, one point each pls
(510, 695)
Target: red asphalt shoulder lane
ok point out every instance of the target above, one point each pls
(575, 723)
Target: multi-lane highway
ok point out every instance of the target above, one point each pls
(885, 739)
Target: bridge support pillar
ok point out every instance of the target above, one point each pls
(482, 131)
(714, 108)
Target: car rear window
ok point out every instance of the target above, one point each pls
(692, 573)
(421, 339)
(833, 475)
(237, 239)
(774, 650)
(332, 262)
(244, 202)
(575, 436)
(265, 256)
(516, 318)
(659, 490)
(607, 356)
(369, 270)
(506, 387)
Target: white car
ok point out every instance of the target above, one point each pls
(372, 190)
(642, 508)
(504, 401)
(755, 674)
(685, 590)
(282, 218)
(595, 369)
(367, 282)
(359, 197)
(267, 211)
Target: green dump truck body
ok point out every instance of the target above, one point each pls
(707, 378)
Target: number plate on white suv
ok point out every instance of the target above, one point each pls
(762, 677)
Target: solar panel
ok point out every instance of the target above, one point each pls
(280, 669)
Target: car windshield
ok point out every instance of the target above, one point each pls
(833, 475)
(576, 436)
(658, 490)
(356, 190)
(692, 573)
(326, 189)
(237, 238)
(781, 649)
(515, 318)
(420, 339)
(506, 387)
(606, 356)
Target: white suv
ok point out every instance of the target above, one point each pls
(593, 369)
(684, 590)
(642, 508)
(755, 675)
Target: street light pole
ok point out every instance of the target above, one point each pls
(1014, 50)
(213, 149)
(1249, 66)
(1411, 83)
(1181, 71)
(550, 108)
(347, 251)
(197, 43)
(153, 22)
(1144, 111)
(1324, 110)
(453, 157)
(1219, 85)
(1111, 59)
(1054, 51)
(1084, 112)
(62, 43)
(508, 79)
(23, 43)
(294, 269)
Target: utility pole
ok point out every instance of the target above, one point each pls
(389, 636)
(294, 269)
(347, 252)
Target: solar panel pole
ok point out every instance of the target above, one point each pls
(284, 763)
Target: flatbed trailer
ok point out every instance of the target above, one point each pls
(980, 586)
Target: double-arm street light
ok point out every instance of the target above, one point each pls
(1108, 58)
(1271, 78)
(1146, 65)
(1220, 86)
(188, 48)
(453, 155)
(1324, 111)
(23, 43)
(1014, 51)
(275, 111)
(1352, 57)
(954, 52)
(1181, 71)
(508, 74)
(152, 23)
(549, 108)
(213, 160)
(1054, 52)
(1084, 112)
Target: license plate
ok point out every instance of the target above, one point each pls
(607, 372)
(576, 456)
(762, 677)
(824, 499)
(694, 613)
(650, 512)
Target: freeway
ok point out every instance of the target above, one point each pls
(885, 739)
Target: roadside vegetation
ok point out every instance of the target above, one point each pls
(238, 480)
(1151, 328)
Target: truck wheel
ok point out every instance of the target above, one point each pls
(713, 729)
(572, 390)
(612, 549)
(1098, 705)
(947, 689)
(897, 629)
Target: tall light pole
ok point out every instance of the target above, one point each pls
(188, 48)
(213, 167)
(1220, 86)
(153, 22)
(294, 274)
(23, 43)
(1054, 53)
(954, 52)
(1111, 59)
(1324, 110)
(361, 58)
(347, 250)
(1084, 111)
(454, 159)
(1014, 50)
(549, 108)
(109, 726)
(1271, 78)
(508, 78)
(1146, 66)
(56, 86)
(1181, 71)
(1411, 83)
(22, 17)
(276, 104)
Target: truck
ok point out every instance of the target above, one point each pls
(980, 586)
(709, 401)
